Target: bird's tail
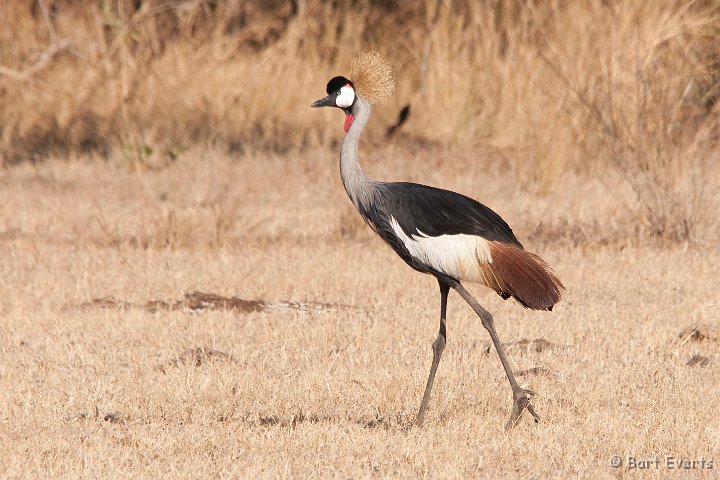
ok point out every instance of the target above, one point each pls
(522, 275)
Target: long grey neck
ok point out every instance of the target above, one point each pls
(357, 185)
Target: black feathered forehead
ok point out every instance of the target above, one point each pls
(337, 83)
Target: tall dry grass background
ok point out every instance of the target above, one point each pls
(548, 86)
(152, 148)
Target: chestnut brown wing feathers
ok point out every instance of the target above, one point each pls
(524, 276)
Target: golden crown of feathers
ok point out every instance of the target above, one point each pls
(372, 76)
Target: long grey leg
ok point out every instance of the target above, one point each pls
(520, 395)
(437, 347)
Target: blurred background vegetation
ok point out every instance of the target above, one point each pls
(549, 86)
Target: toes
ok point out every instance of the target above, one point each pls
(522, 403)
(532, 411)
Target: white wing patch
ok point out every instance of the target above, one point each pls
(346, 97)
(459, 256)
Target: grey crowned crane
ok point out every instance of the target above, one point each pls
(442, 233)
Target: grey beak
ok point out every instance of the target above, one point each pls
(328, 101)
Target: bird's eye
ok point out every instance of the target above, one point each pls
(338, 92)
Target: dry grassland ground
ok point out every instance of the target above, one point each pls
(108, 370)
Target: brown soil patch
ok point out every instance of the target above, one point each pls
(196, 357)
(401, 422)
(537, 371)
(114, 417)
(536, 345)
(200, 355)
(701, 333)
(198, 302)
(698, 360)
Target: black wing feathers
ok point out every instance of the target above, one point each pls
(419, 209)
(434, 212)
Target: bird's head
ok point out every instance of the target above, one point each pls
(371, 78)
(341, 94)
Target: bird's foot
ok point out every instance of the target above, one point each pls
(419, 419)
(521, 402)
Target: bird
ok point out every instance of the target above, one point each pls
(435, 231)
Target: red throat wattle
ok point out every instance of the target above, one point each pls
(348, 121)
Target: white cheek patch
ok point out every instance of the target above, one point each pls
(346, 97)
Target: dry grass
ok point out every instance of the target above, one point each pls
(552, 86)
(155, 150)
(626, 364)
